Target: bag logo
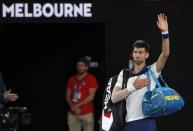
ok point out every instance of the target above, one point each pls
(108, 95)
(169, 98)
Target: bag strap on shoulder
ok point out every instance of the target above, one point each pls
(125, 78)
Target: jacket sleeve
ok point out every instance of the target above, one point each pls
(2, 88)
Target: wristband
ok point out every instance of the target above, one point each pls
(165, 35)
(131, 88)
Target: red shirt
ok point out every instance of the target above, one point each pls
(80, 90)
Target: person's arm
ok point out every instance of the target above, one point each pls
(2, 89)
(163, 26)
(93, 84)
(72, 106)
(2, 94)
(118, 94)
(88, 99)
(68, 97)
(69, 101)
(5, 95)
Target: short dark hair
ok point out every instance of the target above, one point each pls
(141, 44)
(84, 60)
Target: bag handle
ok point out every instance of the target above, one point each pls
(161, 78)
(150, 73)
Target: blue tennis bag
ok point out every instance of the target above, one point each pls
(161, 100)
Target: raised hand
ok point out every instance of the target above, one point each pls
(162, 22)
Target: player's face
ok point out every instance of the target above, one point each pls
(81, 68)
(140, 55)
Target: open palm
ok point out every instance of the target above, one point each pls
(162, 22)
